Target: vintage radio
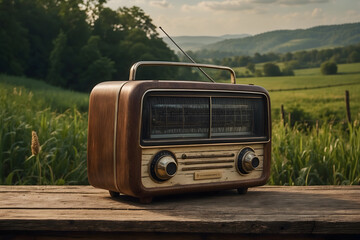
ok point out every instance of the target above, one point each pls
(148, 138)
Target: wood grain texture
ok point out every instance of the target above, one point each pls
(269, 211)
(102, 111)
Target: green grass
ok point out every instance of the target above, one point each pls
(35, 106)
(46, 96)
(301, 154)
(322, 103)
(327, 155)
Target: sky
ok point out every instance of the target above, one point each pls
(219, 17)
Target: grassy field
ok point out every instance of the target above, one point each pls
(44, 95)
(28, 105)
(321, 103)
(301, 154)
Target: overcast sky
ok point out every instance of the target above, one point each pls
(218, 17)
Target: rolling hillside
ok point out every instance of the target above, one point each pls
(282, 41)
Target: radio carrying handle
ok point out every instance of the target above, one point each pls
(135, 66)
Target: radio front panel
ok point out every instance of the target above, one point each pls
(202, 164)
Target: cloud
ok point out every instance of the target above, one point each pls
(245, 5)
(162, 3)
(300, 2)
(226, 5)
(317, 12)
(265, 1)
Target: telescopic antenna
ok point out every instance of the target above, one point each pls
(192, 60)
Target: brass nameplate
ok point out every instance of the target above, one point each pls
(207, 175)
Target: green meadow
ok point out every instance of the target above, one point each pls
(322, 97)
(302, 153)
(60, 119)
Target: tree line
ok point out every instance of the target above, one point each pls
(293, 60)
(76, 44)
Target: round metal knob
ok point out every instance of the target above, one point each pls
(163, 166)
(247, 161)
(166, 167)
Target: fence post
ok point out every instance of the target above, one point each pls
(347, 101)
(282, 114)
(289, 117)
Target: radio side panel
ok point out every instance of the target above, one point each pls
(103, 108)
(128, 154)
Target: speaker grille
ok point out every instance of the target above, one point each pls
(207, 161)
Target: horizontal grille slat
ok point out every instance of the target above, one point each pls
(206, 167)
(208, 161)
(186, 156)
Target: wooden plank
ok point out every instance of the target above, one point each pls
(263, 210)
(167, 236)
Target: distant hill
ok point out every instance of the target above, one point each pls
(282, 41)
(197, 42)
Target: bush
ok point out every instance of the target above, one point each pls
(299, 115)
(288, 71)
(294, 64)
(258, 73)
(251, 67)
(271, 69)
(354, 57)
(328, 68)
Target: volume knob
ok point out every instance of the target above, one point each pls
(247, 161)
(163, 166)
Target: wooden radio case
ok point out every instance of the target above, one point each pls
(148, 138)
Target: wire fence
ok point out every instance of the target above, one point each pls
(311, 88)
(286, 116)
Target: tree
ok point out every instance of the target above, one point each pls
(98, 71)
(135, 18)
(56, 60)
(94, 67)
(328, 68)
(251, 67)
(288, 71)
(258, 73)
(354, 57)
(14, 45)
(75, 44)
(271, 69)
(42, 23)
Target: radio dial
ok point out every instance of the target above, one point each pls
(247, 161)
(163, 166)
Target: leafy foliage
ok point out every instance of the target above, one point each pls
(271, 69)
(328, 68)
(288, 71)
(77, 44)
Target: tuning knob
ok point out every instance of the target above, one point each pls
(163, 166)
(247, 161)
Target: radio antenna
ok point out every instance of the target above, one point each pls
(192, 60)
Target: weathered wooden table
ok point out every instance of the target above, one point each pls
(43, 212)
